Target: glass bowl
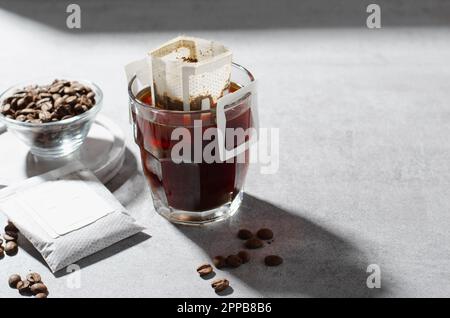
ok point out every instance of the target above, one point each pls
(53, 139)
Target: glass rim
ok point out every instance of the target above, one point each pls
(95, 109)
(154, 108)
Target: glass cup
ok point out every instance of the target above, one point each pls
(195, 191)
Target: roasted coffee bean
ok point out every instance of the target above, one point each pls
(220, 285)
(244, 234)
(69, 91)
(253, 243)
(19, 94)
(14, 102)
(14, 280)
(2, 252)
(45, 116)
(204, 269)
(265, 234)
(11, 248)
(45, 95)
(85, 101)
(78, 88)
(34, 103)
(219, 261)
(59, 102)
(79, 108)
(11, 228)
(71, 100)
(38, 288)
(10, 236)
(55, 89)
(33, 278)
(244, 256)
(45, 107)
(90, 95)
(41, 295)
(273, 260)
(21, 118)
(42, 101)
(6, 108)
(28, 111)
(23, 286)
(234, 261)
(21, 103)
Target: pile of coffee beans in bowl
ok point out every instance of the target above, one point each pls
(62, 99)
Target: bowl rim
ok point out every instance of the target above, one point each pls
(95, 109)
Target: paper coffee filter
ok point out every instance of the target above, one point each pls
(190, 73)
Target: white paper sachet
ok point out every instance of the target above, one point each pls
(190, 73)
(67, 214)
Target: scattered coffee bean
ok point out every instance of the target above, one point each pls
(244, 234)
(265, 234)
(41, 295)
(38, 288)
(11, 228)
(244, 256)
(34, 278)
(220, 285)
(204, 269)
(234, 261)
(2, 252)
(23, 286)
(219, 262)
(41, 104)
(253, 243)
(11, 248)
(10, 236)
(14, 280)
(273, 260)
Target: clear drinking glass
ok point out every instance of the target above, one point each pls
(194, 192)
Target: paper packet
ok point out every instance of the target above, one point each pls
(67, 214)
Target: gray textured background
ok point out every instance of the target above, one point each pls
(364, 124)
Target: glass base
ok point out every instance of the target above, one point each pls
(54, 153)
(199, 218)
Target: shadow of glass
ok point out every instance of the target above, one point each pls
(36, 166)
(317, 262)
(127, 171)
(187, 15)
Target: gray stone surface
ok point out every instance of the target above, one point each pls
(364, 154)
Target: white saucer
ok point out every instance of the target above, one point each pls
(102, 152)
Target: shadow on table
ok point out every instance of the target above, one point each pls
(126, 172)
(317, 262)
(36, 166)
(188, 15)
